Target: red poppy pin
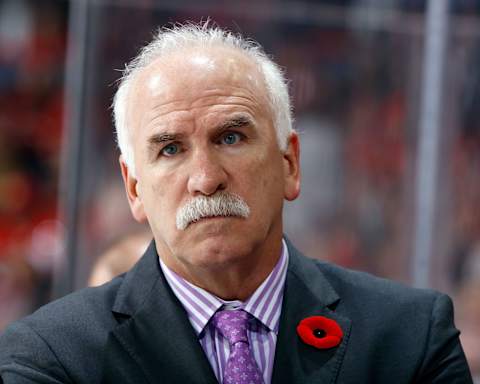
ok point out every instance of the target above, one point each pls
(320, 332)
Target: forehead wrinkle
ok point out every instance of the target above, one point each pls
(248, 101)
(164, 118)
(189, 94)
(213, 102)
(158, 116)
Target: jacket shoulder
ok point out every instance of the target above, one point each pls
(61, 336)
(89, 306)
(394, 322)
(354, 285)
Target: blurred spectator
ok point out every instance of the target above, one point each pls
(119, 257)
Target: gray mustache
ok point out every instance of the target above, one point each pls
(220, 204)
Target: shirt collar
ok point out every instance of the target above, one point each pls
(264, 304)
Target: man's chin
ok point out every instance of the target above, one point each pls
(212, 245)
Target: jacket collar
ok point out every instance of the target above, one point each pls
(154, 331)
(307, 293)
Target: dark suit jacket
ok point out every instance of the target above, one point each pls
(134, 330)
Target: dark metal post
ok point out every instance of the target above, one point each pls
(429, 135)
(74, 119)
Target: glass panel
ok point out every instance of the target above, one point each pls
(355, 69)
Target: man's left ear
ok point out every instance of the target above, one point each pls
(131, 187)
(291, 167)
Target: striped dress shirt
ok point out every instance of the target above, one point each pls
(265, 305)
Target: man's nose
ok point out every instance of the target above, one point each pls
(206, 174)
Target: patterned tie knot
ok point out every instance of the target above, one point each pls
(232, 325)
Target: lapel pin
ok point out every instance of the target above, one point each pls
(320, 332)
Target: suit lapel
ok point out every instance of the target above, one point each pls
(155, 338)
(307, 293)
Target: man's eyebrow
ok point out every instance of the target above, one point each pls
(235, 122)
(159, 138)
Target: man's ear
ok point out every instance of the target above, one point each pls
(131, 187)
(291, 170)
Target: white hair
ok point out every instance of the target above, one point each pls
(169, 40)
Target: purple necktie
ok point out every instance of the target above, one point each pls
(241, 366)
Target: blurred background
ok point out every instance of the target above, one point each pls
(386, 96)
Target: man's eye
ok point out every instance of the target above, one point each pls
(170, 150)
(231, 138)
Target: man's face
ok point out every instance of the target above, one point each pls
(200, 124)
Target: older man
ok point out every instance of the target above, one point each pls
(208, 157)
